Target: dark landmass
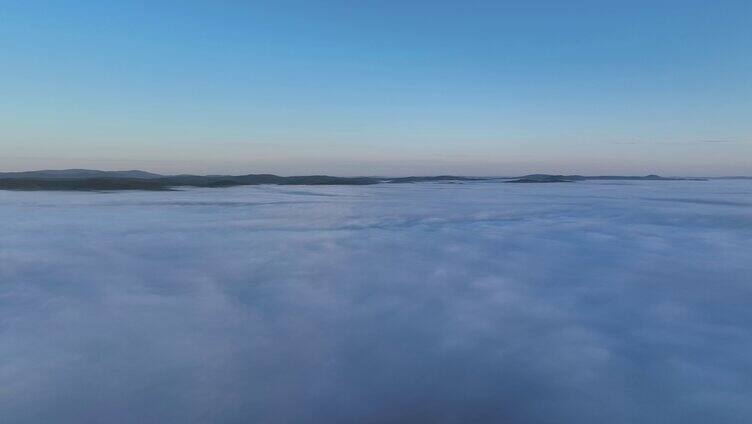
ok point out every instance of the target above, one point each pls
(83, 179)
(546, 178)
(86, 184)
(93, 180)
(168, 183)
(638, 178)
(77, 174)
(732, 178)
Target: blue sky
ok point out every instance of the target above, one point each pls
(378, 87)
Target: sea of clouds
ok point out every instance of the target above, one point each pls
(590, 302)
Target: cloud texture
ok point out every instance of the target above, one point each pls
(446, 303)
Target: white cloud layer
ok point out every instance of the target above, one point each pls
(445, 303)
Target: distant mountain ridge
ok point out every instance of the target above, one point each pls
(87, 179)
(548, 178)
(78, 174)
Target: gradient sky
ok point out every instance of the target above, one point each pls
(378, 87)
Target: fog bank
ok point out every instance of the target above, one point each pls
(449, 303)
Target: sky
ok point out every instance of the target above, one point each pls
(411, 303)
(378, 87)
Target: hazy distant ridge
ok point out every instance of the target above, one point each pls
(78, 174)
(548, 178)
(86, 179)
(83, 179)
